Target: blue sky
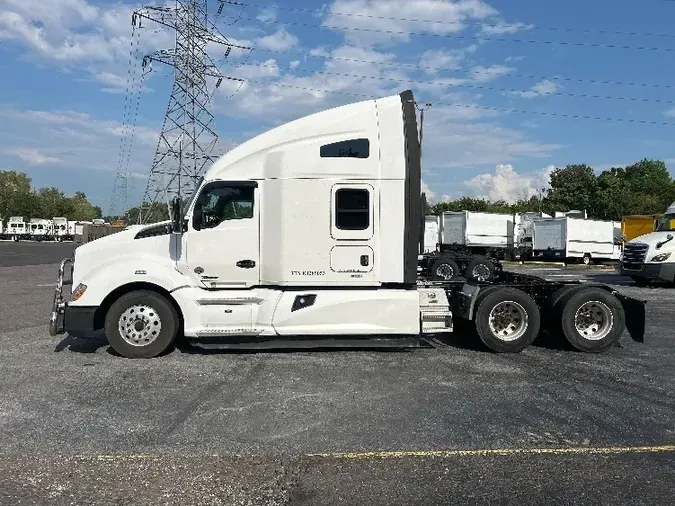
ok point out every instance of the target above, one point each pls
(64, 67)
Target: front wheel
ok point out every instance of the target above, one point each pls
(507, 320)
(586, 260)
(141, 324)
(591, 319)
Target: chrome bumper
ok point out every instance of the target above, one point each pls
(57, 320)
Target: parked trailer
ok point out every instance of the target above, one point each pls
(17, 228)
(651, 257)
(255, 277)
(574, 239)
(523, 233)
(61, 230)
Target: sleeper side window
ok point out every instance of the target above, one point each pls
(223, 202)
(352, 209)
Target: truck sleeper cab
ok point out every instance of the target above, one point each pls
(312, 229)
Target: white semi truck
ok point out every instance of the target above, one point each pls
(61, 231)
(651, 257)
(41, 229)
(310, 233)
(575, 239)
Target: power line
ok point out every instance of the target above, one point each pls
(454, 23)
(470, 37)
(476, 86)
(484, 108)
(486, 71)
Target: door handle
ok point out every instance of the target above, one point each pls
(246, 264)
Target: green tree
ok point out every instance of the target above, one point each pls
(572, 187)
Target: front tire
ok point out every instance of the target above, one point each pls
(586, 260)
(591, 319)
(507, 320)
(141, 324)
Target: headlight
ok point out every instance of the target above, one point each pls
(78, 291)
(662, 257)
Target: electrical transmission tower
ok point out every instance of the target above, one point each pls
(188, 137)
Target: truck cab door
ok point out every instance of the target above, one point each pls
(221, 247)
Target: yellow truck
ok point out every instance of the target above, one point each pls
(637, 225)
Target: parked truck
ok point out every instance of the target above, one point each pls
(470, 244)
(573, 239)
(651, 256)
(17, 229)
(41, 229)
(310, 234)
(60, 226)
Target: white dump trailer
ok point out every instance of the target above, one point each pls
(574, 239)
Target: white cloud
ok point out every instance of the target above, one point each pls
(33, 156)
(267, 15)
(670, 113)
(508, 185)
(431, 196)
(402, 17)
(502, 28)
(294, 64)
(434, 60)
(281, 40)
(481, 74)
(540, 89)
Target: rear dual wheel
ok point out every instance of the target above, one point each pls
(590, 319)
(507, 320)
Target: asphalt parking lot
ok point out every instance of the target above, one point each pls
(448, 425)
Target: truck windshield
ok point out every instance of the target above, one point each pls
(192, 197)
(667, 223)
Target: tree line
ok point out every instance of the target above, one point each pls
(646, 187)
(19, 198)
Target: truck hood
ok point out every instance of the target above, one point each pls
(133, 242)
(653, 238)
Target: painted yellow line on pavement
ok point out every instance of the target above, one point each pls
(580, 450)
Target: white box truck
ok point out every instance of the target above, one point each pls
(310, 233)
(41, 229)
(651, 257)
(61, 231)
(17, 228)
(574, 239)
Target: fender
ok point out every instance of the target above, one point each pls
(117, 272)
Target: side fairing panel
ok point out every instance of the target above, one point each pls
(351, 312)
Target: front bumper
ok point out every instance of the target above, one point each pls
(664, 271)
(67, 318)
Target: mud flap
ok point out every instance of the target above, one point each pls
(635, 316)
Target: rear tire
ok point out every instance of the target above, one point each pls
(480, 269)
(507, 320)
(591, 319)
(141, 324)
(586, 260)
(444, 269)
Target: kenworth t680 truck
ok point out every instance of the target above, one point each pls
(311, 232)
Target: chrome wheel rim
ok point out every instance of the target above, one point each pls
(445, 271)
(139, 325)
(508, 321)
(481, 272)
(593, 320)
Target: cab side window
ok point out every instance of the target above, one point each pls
(223, 202)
